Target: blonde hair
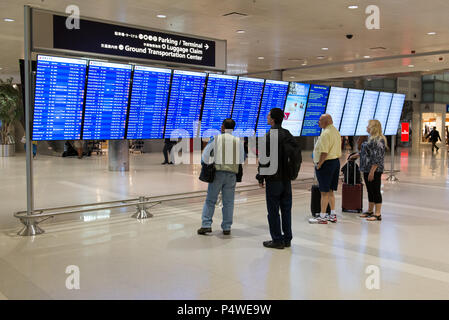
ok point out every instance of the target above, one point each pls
(376, 131)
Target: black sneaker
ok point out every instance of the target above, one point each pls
(287, 244)
(226, 232)
(163, 163)
(203, 231)
(273, 245)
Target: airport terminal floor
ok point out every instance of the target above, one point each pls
(163, 257)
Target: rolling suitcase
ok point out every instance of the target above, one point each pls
(352, 195)
(315, 203)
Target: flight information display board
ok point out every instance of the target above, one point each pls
(59, 96)
(295, 107)
(336, 104)
(106, 101)
(316, 106)
(220, 92)
(367, 111)
(274, 96)
(397, 104)
(246, 105)
(149, 97)
(383, 108)
(351, 112)
(184, 108)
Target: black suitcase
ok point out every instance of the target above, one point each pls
(315, 203)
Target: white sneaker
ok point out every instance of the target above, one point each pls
(318, 220)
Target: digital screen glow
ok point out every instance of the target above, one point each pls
(220, 92)
(351, 112)
(148, 105)
(246, 105)
(106, 101)
(316, 106)
(367, 111)
(295, 107)
(274, 95)
(59, 95)
(184, 108)
(336, 104)
(397, 104)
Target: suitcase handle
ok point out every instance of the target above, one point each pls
(355, 171)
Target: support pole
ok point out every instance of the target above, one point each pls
(31, 227)
(392, 177)
(142, 212)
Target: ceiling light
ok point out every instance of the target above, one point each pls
(304, 64)
(353, 7)
(366, 57)
(240, 31)
(292, 77)
(162, 16)
(8, 20)
(350, 71)
(431, 33)
(260, 58)
(324, 49)
(320, 57)
(411, 66)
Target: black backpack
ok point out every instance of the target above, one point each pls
(292, 157)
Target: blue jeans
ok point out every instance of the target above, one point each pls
(279, 196)
(225, 182)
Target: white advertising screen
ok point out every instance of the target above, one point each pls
(336, 103)
(383, 108)
(295, 107)
(395, 114)
(351, 112)
(367, 111)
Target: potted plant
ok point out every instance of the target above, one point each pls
(10, 112)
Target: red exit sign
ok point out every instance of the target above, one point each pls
(405, 132)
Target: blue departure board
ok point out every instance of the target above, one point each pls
(295, 107)
(149, 97)
(59, 96)
(220, 93)
(336, 104)
(316, 106)
(397, 104)
(246, 105)
(367, 111)
(351, 112)
(383, 108)
(106, 101)
(274, 96)
(184, 107)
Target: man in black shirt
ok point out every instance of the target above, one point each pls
(434, 137)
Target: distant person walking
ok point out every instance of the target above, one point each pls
(278, 185)
(434, 136)
(228, 153)
(168, 146)
(326, 156)
(372, 155)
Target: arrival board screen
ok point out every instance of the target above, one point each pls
(295, 107)
(395, 114)
(220, 93)
(59, 96)
(316, 106)
(336, 104)
(351, 112)
(106, 101)
(149, 96)
(184, 107)
(246, 105)
(274, 96)
(367, 111)
(383, 108)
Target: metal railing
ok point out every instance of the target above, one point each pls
(31, 222)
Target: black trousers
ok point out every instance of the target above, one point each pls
(373, 187)
(434, 145)
(167, 149)
(279, 196)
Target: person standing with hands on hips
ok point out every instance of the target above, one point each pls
(372, 154)
(326, 156)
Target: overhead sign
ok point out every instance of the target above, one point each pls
(125, 41)
(405, 132)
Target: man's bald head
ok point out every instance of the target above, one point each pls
(325, 120)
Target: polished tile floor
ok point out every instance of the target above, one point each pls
(163, 258)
